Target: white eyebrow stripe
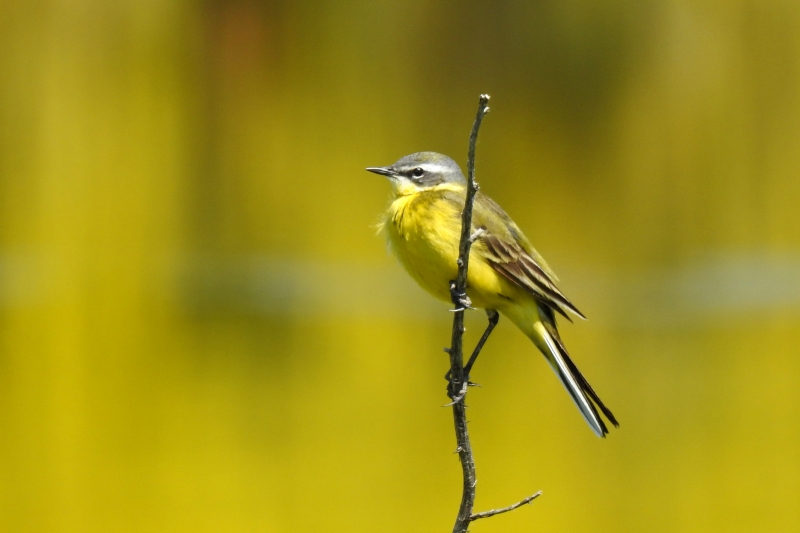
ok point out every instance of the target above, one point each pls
(429, 167)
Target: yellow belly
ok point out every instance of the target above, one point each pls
(423, 232)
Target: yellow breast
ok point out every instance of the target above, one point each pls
(423, 231)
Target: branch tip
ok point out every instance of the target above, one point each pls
(478, 233)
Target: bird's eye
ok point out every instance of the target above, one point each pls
(417, 172)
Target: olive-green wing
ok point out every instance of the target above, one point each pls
(508, 251)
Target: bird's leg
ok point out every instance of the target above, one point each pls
(494, 317)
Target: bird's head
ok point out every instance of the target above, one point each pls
(421, 172)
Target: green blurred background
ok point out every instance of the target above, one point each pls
(200, 330)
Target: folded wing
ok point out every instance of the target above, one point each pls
(508, 251)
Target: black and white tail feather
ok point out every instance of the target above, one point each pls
(577, 386)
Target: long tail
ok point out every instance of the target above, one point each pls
(546, 337)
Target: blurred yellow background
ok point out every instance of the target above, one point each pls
(200, 330)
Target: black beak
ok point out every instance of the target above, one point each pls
(383, 171)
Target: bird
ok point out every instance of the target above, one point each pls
(506, 274)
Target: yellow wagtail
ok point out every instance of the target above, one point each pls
(423, 227)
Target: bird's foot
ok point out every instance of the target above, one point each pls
(459, 299)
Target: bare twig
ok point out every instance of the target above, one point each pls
(458, 291)
(487, 514)
(458, 376)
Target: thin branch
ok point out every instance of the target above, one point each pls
(487, 514)
(458, 292)
(458, 376)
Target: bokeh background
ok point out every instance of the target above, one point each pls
(201, 331)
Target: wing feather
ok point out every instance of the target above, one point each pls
(508, 251)
(510, 254)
